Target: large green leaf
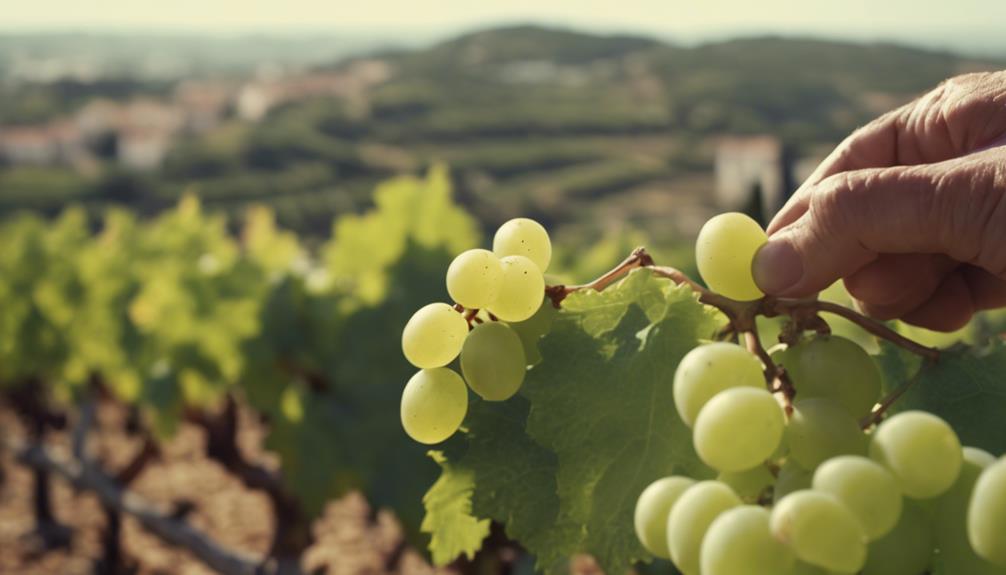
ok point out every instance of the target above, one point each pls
(600, 424)
(515, 477)
(602, 402)
(511, 480)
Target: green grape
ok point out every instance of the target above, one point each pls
(434, 404)
(474, 278)
(820, 530)
(724, 252)
(492, 361)
(749, 484)
(738, 429)
(521, 291)
(652, 508)
(524, 237)
(710, 369)
(950, 519)
(821, 428)
(433, 336)
(921, 450)
(691, 517)
(739, 542)
(791, 478)
(866, 488)
(987, 514)
(905, 550)
(835, 367)
(534, 328)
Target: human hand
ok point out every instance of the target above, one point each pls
(910, 211)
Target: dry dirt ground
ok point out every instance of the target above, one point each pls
(351, 539)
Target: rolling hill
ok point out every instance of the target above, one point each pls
(580, 130)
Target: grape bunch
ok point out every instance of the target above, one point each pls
(493, 290)
(804, 489)
(809, 491)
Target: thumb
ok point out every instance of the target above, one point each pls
(944, 208)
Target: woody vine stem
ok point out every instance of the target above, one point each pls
(803, 314)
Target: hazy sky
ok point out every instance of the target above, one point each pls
(931, 22)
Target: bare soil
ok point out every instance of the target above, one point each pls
(350, 538)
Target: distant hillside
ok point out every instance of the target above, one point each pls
(515, 43)
(851, 68)
(798, 88)
(583, 131)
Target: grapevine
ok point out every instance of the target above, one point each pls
(815, 474)
(253, 343)
(562, 418)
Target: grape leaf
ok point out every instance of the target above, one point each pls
(966, 387)
(600, 312)
(602, 401)
(449, 521)
(514, 476)
(601, 424)
(897, 365)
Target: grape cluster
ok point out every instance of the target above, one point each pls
(805, 490)
(809, 491)
(493, 290)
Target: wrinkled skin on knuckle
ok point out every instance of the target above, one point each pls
(833, 204)
(949, 219)
(865, 203)
(961, 115)
(845, 208)
(972, 110)
(987, 212)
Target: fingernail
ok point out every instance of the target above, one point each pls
(777, 267)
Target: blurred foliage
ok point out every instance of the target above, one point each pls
(174, 313)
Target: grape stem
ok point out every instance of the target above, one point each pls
(887, 401)
(472, 315)
(637, 259)
(775, 376)
(742, 314)
(790, 307)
